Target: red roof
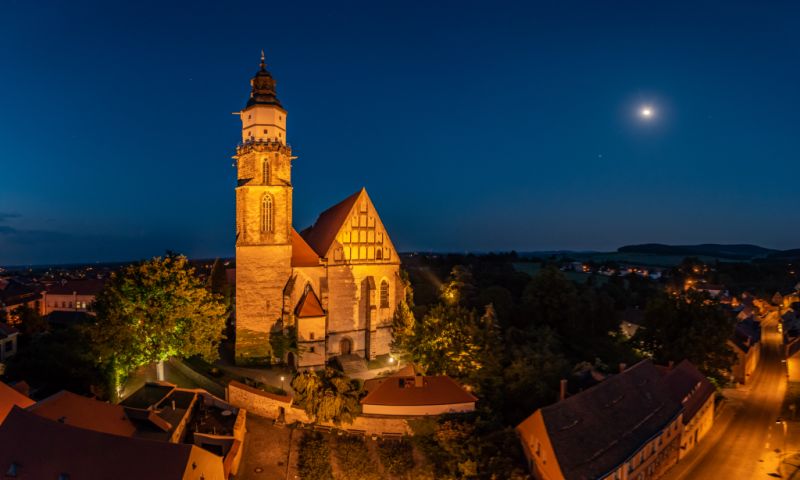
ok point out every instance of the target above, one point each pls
(9, 397)
(71, 409)
(690, 387)
(302, 254)
(41, 448)
(402, 391)
(89, 286)
(322, 234)
(309, 306)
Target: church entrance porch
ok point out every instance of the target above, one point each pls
(345, 346)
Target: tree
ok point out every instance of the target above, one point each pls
(151, 311)
(688, 326)
(218, 282)
(327, 395)
(29, 321)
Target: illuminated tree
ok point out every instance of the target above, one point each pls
(327, 395)
(152, 311)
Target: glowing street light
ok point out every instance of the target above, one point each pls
(282, 379)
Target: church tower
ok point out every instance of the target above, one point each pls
(263, 220)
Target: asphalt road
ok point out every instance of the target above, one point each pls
(745, 442)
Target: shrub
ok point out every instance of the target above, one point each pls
(354, 460)
(314, 459)
(397, 457)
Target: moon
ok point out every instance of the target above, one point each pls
(646, 112)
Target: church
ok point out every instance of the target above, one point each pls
(335, 285)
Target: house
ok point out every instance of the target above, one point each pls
(631, 321)
(626, 427)
(32, 446)
(746, 344)
(14, 294)
(409, 393)
(713, 290)
(72, 295)
(72, 409)
(792, 352)
(8, 341)
(9, 398)
(693, 390)
(163, 412)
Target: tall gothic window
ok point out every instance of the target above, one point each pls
(384, 294)
(267, 214)
(266, 172)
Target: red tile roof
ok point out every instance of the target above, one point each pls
(42, 448)
(72, 409)
(322, 234)
(309, 306)
(302, 254)
(9, 397)
(89, 286)
(402, 391)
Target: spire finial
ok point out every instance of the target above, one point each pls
(263, 64)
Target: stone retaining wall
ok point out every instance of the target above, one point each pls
(258, 402)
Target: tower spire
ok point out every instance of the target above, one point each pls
(263, 86)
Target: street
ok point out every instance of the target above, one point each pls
(746, 442)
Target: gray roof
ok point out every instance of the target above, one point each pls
(596, 431)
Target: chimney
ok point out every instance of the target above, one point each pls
(418, 380)
(622, 367)
(563, 393)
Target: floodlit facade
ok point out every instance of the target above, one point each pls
(335, 284)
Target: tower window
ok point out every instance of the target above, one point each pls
(266, 172)
(267, 214)
(265, 131)
(384, 294)
(311, 335)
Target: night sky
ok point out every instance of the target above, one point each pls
(474, 126)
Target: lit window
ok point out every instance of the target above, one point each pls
(267, 220)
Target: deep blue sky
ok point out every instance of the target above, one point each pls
(474, 126)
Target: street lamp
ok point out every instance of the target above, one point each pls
(282, 379)
(783, 452)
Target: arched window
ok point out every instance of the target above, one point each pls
(379, 253)
(267, 214)
(384, 294)
(266, 172)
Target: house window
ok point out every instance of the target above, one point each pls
(379, 254)
(266, 172)
(267, 220)
(310, 349)
(384, 294)
(311, 336)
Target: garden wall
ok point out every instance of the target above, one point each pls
(269, 405)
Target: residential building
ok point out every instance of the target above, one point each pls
(9, 398)
(72, 295)
(8, 341)
(746, 344)
(792, 352)
(14, 294)
(32, 446)
(697, 395)
(335, 284)
(409, 393)
(626, 427)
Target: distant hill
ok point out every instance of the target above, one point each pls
(732, 252)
